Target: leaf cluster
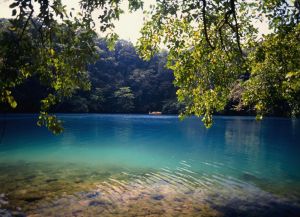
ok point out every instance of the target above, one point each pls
(214, 46)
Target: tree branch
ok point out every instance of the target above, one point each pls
(221, 40)
(39, 30)
(205, 24)
(23, 30)
(236, 29)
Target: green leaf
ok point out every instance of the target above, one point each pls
(11, 101)
(13, 5)
(14, 12)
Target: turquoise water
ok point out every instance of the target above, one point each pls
(238, 167)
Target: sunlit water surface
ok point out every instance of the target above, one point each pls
(130, 165)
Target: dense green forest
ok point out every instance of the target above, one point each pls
(121, 82)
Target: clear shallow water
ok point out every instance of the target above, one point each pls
(101, 163)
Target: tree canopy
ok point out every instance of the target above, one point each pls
(46, 41)
(213, 46)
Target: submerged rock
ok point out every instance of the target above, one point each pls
(77, 181)
(93, 195)
(30, 198)
(158, 197)
(8, 213)
(30, 177)
(5, 213)
(17, 214)
(176, 199)
(51, 180)
(98, 203)
(250, 177)
(3, 201)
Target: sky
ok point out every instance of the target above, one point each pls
(129, 25)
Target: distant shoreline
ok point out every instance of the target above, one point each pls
(2, 114)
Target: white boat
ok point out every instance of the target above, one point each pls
(154, 113)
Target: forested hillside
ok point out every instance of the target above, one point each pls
(120, 83)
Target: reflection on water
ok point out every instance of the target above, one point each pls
(245, 138)
(150, 166)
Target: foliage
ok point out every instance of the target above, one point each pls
(124, 99)
(59, 63)
(44, 40)
(275, 70)
(214, 44)
(213, 49)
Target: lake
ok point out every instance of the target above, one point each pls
(141, 165)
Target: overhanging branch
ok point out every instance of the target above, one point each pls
(205, 25)
(26, 24)
(236, 27)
